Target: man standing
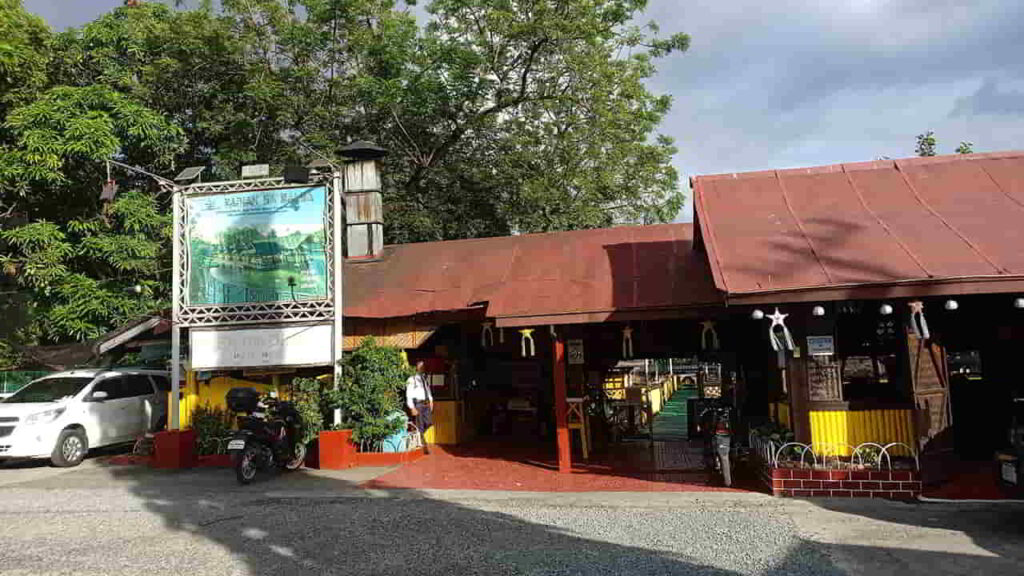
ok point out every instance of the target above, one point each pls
(420, 402)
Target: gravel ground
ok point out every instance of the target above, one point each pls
(96, 520)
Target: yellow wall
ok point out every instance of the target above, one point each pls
(781, 409)
(448, 427)
(837, 432)
(212, 393)
(656, 399)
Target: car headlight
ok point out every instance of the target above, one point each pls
(44, 417)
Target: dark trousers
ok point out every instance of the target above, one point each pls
(424, 419)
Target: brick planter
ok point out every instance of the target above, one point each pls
(805, 482)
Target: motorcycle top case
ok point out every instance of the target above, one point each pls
(242, 399)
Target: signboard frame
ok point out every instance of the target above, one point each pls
(189, 314)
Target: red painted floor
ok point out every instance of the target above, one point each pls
(973, 481)
(508, 466)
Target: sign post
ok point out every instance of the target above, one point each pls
(338, 336)
(175, 417)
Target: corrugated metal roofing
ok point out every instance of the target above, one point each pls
(587, 272)
(921, 219)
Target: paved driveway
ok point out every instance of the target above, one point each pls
(117, 520)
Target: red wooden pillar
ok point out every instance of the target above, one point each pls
(561, 408)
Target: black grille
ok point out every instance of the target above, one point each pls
(6, 431)
(5, 419)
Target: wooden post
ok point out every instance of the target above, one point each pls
(561, 408)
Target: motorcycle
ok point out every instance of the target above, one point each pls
(269, 434)
(715, 424)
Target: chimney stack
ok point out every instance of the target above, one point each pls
(364, 207)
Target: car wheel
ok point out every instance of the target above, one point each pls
(71, 448)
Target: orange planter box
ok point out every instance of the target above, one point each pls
(387, 458)
(335, 450)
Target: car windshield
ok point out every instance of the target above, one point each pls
(49, 390)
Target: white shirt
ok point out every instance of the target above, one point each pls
(417, 390)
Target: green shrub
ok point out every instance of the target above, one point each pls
(315, 401)
(374, 381)
(211, 425)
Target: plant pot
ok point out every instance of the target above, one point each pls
(174, 449)
(335, 450)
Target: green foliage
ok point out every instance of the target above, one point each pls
(24, 53)
(524, 117)
(374, 379)
(81, 275)
(870, 455)
(500, 117)
(775, 432)
(211, 424)
(315, 402)
(926, 144)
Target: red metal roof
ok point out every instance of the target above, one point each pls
(932, 220)
(561, 277)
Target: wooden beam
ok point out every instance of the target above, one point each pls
(561, 407)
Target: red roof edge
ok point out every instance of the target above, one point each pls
(865, 165)
(703, 226)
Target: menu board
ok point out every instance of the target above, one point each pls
(823, 383)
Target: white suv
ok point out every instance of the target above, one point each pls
(62, 415)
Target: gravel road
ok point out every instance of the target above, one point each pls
(104, 520)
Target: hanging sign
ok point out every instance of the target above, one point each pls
(575, 348)
(821, 345)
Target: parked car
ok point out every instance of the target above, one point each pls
(61, 416)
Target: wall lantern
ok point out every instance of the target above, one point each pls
(757, 314)
(885, 310)
(818, 311)
(952, 304)
(1018, 303)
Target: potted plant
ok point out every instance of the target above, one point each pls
(371, 392)
(211, 425)
(315, 401)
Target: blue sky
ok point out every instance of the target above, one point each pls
(788, 83)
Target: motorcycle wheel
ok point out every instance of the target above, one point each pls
(245, 465)
(298, 457)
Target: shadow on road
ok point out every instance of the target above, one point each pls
(316, 522)
(310, 522)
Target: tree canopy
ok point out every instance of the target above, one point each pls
(501, 116)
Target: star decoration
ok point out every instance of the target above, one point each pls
(777, 317)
